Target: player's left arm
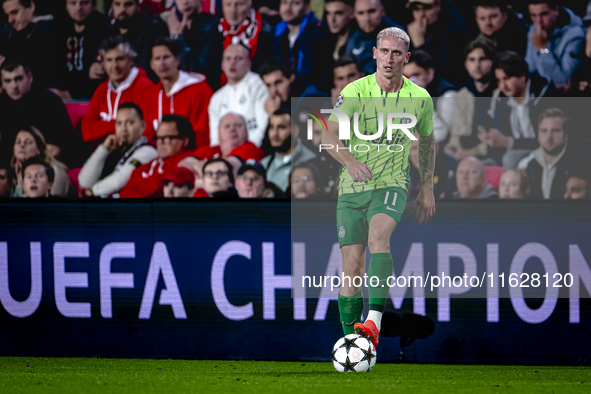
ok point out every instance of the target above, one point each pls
(426, 200)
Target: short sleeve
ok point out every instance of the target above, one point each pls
(347, 102)
(425, 123)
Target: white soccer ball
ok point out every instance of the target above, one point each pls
(353, 353)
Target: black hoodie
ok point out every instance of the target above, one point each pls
(44, 110)
(143, 30)
(512, 36)
(39, 46)
(81, 52)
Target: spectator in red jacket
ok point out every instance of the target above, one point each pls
(233, 137)
(174, 141)
(126, 83)
(178, 92)
(234, 147)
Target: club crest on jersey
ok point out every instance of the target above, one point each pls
(342, 232)
(340, 101)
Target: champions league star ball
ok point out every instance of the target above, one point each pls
(353, 353)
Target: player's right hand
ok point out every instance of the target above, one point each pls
(359, 172)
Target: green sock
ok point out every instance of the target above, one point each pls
(350, 309)
(380, 266)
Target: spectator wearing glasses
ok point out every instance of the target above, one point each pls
(218, 178)
(109, 168)
(174, 142)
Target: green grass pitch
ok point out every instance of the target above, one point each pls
(97, 375)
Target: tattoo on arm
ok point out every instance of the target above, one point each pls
(427, 159)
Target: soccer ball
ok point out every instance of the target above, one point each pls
(353, 353)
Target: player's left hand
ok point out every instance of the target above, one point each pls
(426, 203)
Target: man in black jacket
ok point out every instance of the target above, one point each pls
(37, 43)
(501, 25)
(442, 32)
(140, 29)
(514, 109)
(299, 40)
(23, 104)
(197, 35)
(371, 18)
(82, 30)
(550, 166)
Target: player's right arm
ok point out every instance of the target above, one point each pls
(348, 102)
(359, 172)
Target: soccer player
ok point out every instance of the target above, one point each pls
(373, 185)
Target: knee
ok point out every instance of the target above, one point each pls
(380, 245)
(353, 263)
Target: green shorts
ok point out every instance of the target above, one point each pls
(355, 210)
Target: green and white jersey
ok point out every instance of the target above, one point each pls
(387, 159)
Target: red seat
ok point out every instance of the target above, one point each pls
(77, 110)
(493, 176)
(73, 175)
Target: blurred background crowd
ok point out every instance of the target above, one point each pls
(192, 98)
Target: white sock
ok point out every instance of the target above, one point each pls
(376, 317)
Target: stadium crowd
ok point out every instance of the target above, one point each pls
(192, 98)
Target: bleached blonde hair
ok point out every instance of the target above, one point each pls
(394, 32)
